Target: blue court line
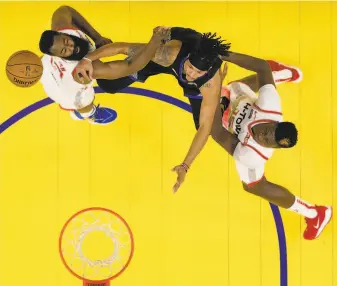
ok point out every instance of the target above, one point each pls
(185, 106)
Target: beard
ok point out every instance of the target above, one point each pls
(81, 49)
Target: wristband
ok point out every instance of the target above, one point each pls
(184, 166)
(87, 59)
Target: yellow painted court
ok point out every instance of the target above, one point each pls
(209, 233)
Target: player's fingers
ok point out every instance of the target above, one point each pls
(79, 76)
(225, 68)
(85, 75)
(180, 179)
(176, 187)
(90, 72)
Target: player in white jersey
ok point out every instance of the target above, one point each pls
(252, 127)
(58, 82)
(64, 45)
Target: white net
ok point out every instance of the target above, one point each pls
(96, 245)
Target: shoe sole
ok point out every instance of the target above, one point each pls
(328, 216)
(73, 116)
(295, 68)
(95, 123)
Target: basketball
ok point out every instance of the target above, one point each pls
(24, 68)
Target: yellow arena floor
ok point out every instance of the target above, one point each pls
(211, 232)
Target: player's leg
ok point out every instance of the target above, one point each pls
(102, 115)
(273, 193)
(317, 217)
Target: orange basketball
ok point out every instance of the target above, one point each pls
(24, 68)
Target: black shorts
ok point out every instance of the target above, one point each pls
(114, 85)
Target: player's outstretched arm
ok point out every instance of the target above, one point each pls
(85, 65)
(164, 56)
(65, 17)
(260, 66)
(210, 92)
(118, 69)
(120, 48)
(222, 136)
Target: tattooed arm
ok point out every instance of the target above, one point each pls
(165, 54)
(134, 49)
(89, 67)
(116, 49)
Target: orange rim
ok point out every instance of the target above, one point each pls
(96, 209)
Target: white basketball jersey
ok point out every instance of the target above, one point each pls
(58, 82)
(247, 110)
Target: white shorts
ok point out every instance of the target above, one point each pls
(248, 175)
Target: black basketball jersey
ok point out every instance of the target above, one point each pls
(191, 87)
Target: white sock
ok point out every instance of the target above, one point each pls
(303, 208)
(89, 113)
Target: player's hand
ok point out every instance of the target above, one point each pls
(181, 172)
(101, 41)
(223, 72)
(83, 71)
(161, 34)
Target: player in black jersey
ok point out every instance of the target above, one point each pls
(192, 58)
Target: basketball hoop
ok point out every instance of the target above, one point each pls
(96, 245)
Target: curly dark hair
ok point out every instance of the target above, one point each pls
(47, 41)
(286, 134)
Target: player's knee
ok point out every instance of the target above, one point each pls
(255, 188)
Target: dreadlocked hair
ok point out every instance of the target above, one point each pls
(207, 52)
(212, 46)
